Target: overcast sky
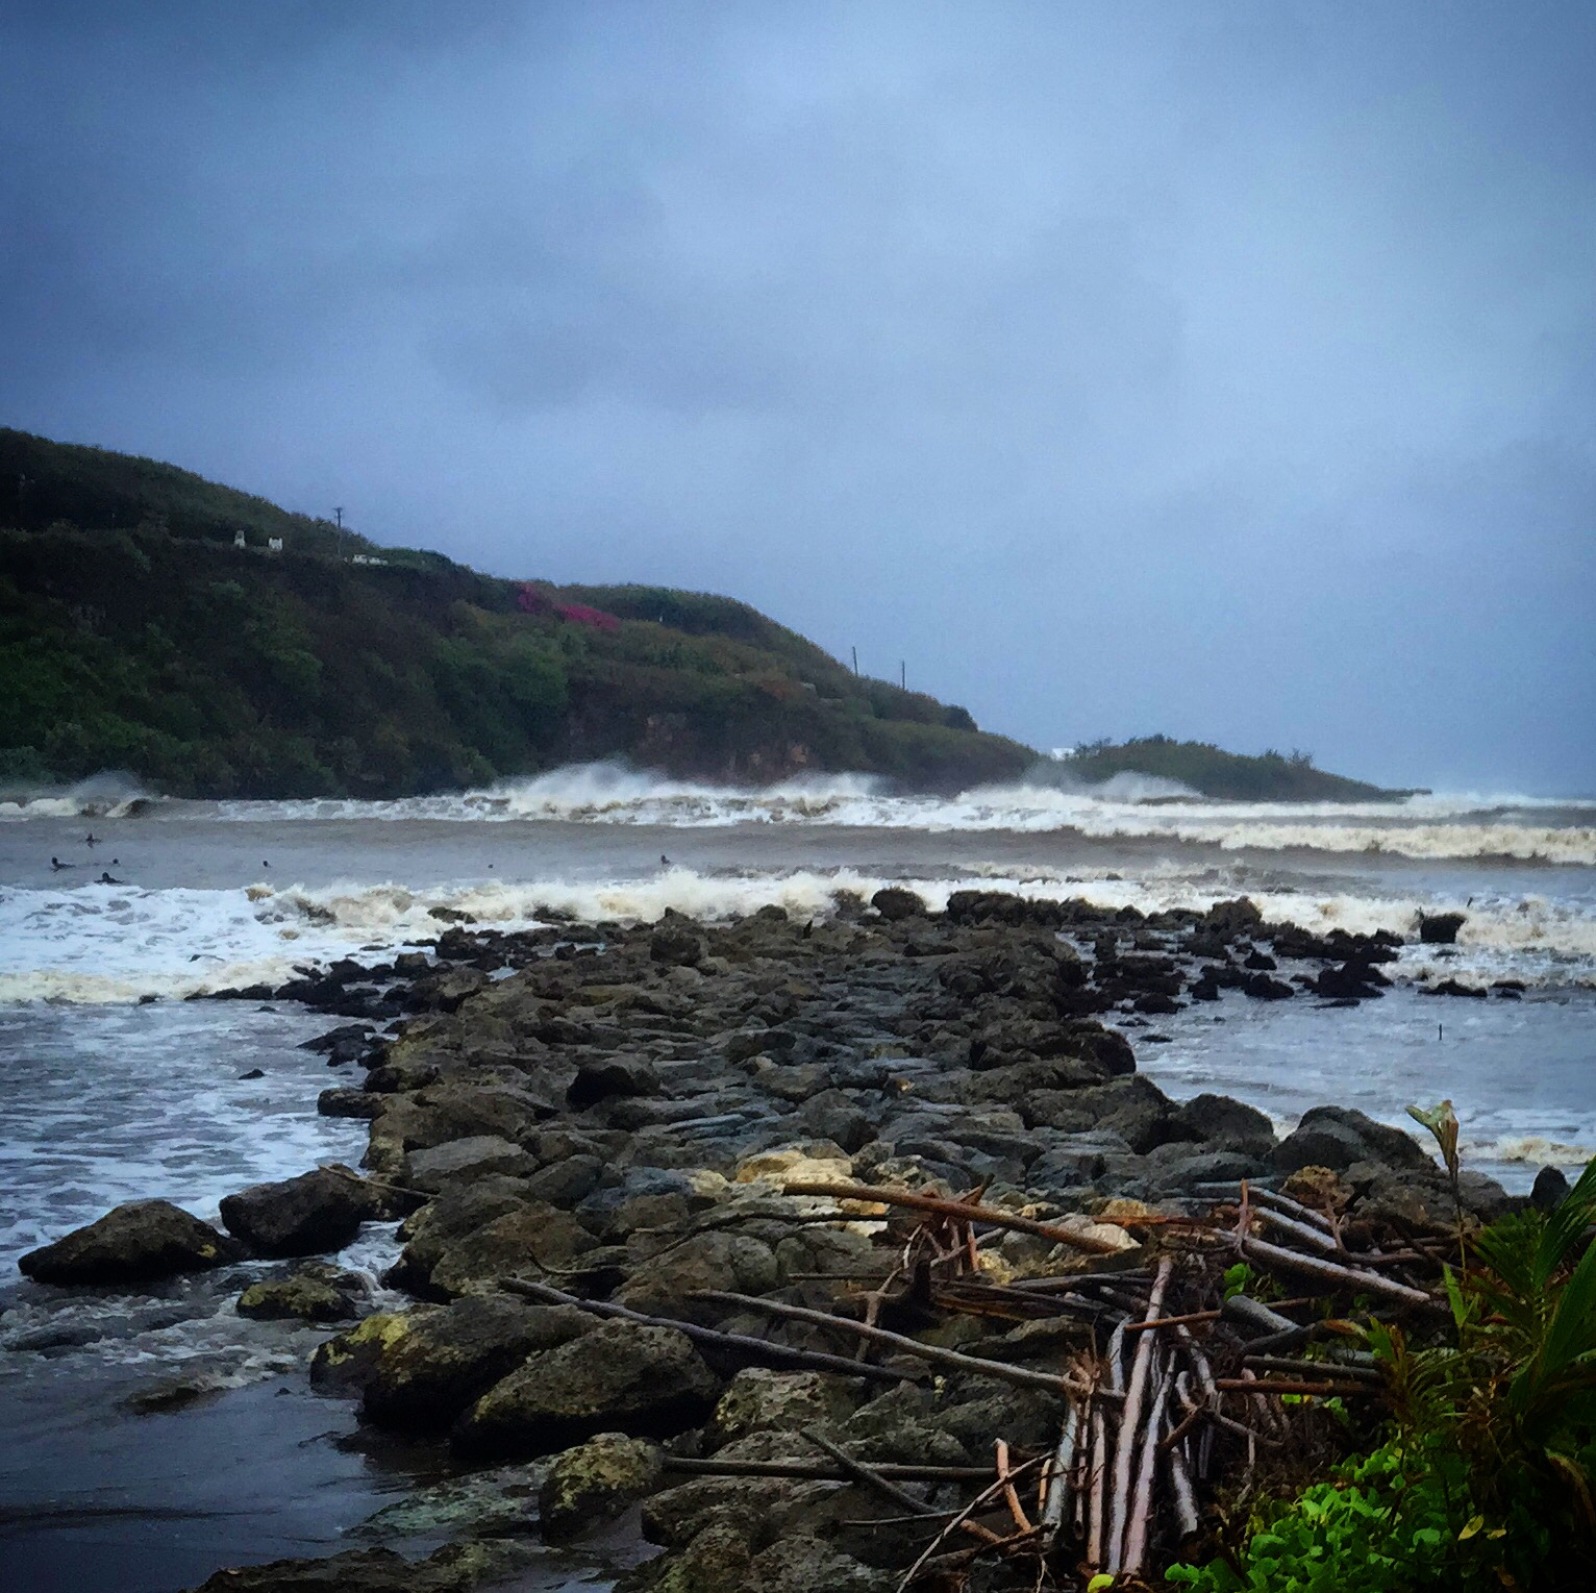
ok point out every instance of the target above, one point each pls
(1224, 369)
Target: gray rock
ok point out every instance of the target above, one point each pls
(304, 1216)
(320, 1294)
(1226, 1121)
(477, 1156)
(610, 1077)
(621, 1377)
(135, 1243)
(1338, 1136)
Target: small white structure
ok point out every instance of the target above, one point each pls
(366, 558)
(274, 544)
(238, 539)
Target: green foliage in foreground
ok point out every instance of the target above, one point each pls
(1487, 1478)
(1205, 768)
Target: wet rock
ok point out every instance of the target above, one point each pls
(320, 1294)
(134, 1243)
(1185, 1169)
(465, 1160)
(590, 1485)
(452, 1569)
(895, 904)
(423, 1376)
(304, 1216)
(1338, 1136)
(1440, 929)
(350, 1103)
(623, 1377)
(566, 1182)
(1262, 988)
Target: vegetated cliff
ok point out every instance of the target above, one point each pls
(151, 644)
(1205, 768)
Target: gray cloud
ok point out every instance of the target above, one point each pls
(1226, 371)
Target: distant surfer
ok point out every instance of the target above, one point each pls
(91, 839)
(57, 864)
(105, 879)
(665, 862)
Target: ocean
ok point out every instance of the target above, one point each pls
(118, 1086)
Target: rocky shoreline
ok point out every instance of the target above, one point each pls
(629, 1158)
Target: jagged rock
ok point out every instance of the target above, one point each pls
(1440, 929)
(837, 1116)
(304, 1216)
(804, 1564)
(134, 1243)
(1338, 1136)
(624, 1377)
(592, 1484)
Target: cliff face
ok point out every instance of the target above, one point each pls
(208, 669)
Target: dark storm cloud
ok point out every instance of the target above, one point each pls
(1223, 370)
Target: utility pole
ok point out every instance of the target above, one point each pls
(338, 514)
(856, 660)
(903, 674)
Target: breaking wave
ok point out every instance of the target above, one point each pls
(1128, 807)
(103, 796)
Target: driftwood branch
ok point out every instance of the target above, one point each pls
(817, 1473)
(735, 1343)
(1333, 1272)
(869, 1476)
(931, 1353)
(963, 1211)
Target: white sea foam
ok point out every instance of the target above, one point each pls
(1128, 807)
(115, 943)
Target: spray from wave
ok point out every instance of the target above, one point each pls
(109, 795)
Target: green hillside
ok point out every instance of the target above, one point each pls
(1205, 768)
(135, 636)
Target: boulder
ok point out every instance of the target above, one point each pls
(1338, 1136)
(611, 1076)
(303, 1216)
(620, 1377)
(462, 1208)
(528, 1239)
(717, 1259)
(478, 1156)
(318, 1294)
(895, 903)
(136, 1243)
(1551, 1189)
(452, 1569)
(589, 1486)
(675, 946)
(423, 1377)
(761, 1400)
(1440, 929)
(836, 1115)
(1222, 1120)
